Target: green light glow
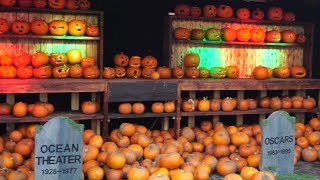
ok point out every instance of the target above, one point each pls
(210, 57)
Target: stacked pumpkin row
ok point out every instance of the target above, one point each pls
(139, 108)
(240, 35)
(135, 152)
(40, 65)
(42, 109)
(224, 11)
(54, 4)
(229, 104)
(74, 27)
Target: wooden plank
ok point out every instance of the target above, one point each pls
(144, 115)
(191, 119)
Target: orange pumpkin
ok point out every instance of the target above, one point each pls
(195, 11)
(273, 36)
(76, 27)
(301, 38)
(138, 108)
(120, 72)
(257, 35)
(289, 16)
(229, 34)
(260, 72)
(192, 72)
(232, 72)
(8, 3)
(177, 72)
(24, 3)
(39, 27)
(4, 26)
(95, 173)
(257, 14)
(275, 13)
(225, 167)
(224, 11)
(57, 4)
(182, 33)
(281, 72)
(197, 34)
(84, 4)
(39, 3)
(157, 107)
(288, 36)
(133, 72)
(263, 175)
(20, 27)
(125, 108)
(182, 10)
(58, 27)
(191, 60)
(209, 11)
(298, 71)
(149, 62)
(243, 35)
(243, 13)
(72, 4)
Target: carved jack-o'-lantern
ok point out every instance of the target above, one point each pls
(135, 61)
(218, 72)
(58, 59)
(298, 71)
(76, 27)
(204, 72)
(197, 34)
(289, 16)
(109, 73)
(182, 10)
(229, 34)
(147, 72)
(121, 60)
(7, 3)
(257, 35)
(120, 72)
(58, 28)
(191, 60)
(149, 62)
(273, 36)
(209, 11)
(57, 4)
(91, 72)
(84, 4)
(243, 13)
(288, 36)
(192, 73)
(42, 72)
(39, 3)
(72, 4)
(257, 14)
(182, 33)
(275, 13)
(39, 27)
(20, 27)
(213, 34)
(243, 35)
(93, 30)
(133, 72)
(177, 72)
(4, 26)
(301, 38)
(195, 11)
(225, 11)
(60, 72)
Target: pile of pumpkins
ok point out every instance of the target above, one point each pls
(229, 104)
(136, 152)
(41, 66)
(74, 27)
(229, 34)
(139, 108)
(53, 4)
(274, 13)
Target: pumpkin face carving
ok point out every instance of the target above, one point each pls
(58, 28)
(133, 72)
(298, 71)
(120, 72)
(197, 34)
(229, 34)
(275, 13)
(213, 34)
(257, 14)
(84, 4)
(147, 72)
(39, 27)
(191, 60)
(177, 72)
(72, 4)
(289, 17)
(4, 26)
(288, 36)
(121, 60)
(209, 11)
(281, 72)
(57, 4)
(91, 72)
(42, 72)
(20, 27)
(225, 11)
(182, 10)
(301, 38)
(182, 33)
(232, 72)
(135, 61)
(61, 72)
(92, 30)
(109, 73)
(149, 62)
(273, 36)
(192, 72)
(218, 72)
(195, 11)
(243, 34)
(58, 59)
(76, 27)
(243, 13)
(8, 72)
(257, 35)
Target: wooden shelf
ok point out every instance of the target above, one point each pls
(49, 10)
(49, 37)
(248, 84)
(8, 86)
(74, 115)
(206, 42)
(255, 111)
(144, 115)
(236, 20)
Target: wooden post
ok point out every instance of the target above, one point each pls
(240, 95)
(300, 116)
(43, 97)
(165, 123)
(263, 93)
(95, 124)
(216, 95)
(10, 99)
(176, 124)
(191, 119)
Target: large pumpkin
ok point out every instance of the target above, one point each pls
(243, 35)
(257, 35)
(275, 13)
(229, 34)
(58, 27)
(76, 27)
(20, 27)
(57, 4)
(39, 27)
(225, 11)
(4, 26)
(191, 60)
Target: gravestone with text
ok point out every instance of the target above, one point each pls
(277, 144)
(58, 150)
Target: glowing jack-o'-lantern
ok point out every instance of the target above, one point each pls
(92, 30)
(76, 27)
(257, 14)
(120, 72)
(135, 61)
(20, 27)
(298, 71)
(177, 72)
(39, 27)
(192, 72)
(191, 60)
(273, 36)
(91, 72)
(275, 13)
(225, 11)
(121, 60)
(257, 35)
(133, 72)
(195, 11)
(60, 72)
(58, 59)
(218, 72)
(243, 13)
(288, 36)
(147, 72)
(58, 28)
(182, 10)
(182, 33)
(42, 72)
(149, 62)
(243, 35)
(57, 4)
(229, 34)
(213, 34)
(4, 26)
(209, 11)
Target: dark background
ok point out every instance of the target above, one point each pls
(136, 27)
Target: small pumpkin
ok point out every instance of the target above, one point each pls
(289, 16)
(298, 71)
(301, 38)
(229, 34)
(204, 72)
(60, 72)
(213, 34)
(275, 13)
(91, 72)
(4, 26)
(120, 72)
(182, 33)
(260, 72)
(109, 73)
(218, 72)
(8, 72)
(39, 27)
(121, 60)
(243, 13)
(288, 36)
(232, 72)
(76, 27)
(197, 34)
(257, 35)
(182, 10)
(58, 59)
(191, 60)
(149, 62)
(257, 14)
(209, 11)
(192, 72)
(24, 72)
(92, 30)
(76, 71)
(87, 62)
(147, 72)
(225, 11)
(273, 36)
(57, 4)
(281, 72)
(243, 35)
(42, 72)
(20, 27)
(165, 72)
(177, 72)
(195, 11)
(58, 28)
(133, 72)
